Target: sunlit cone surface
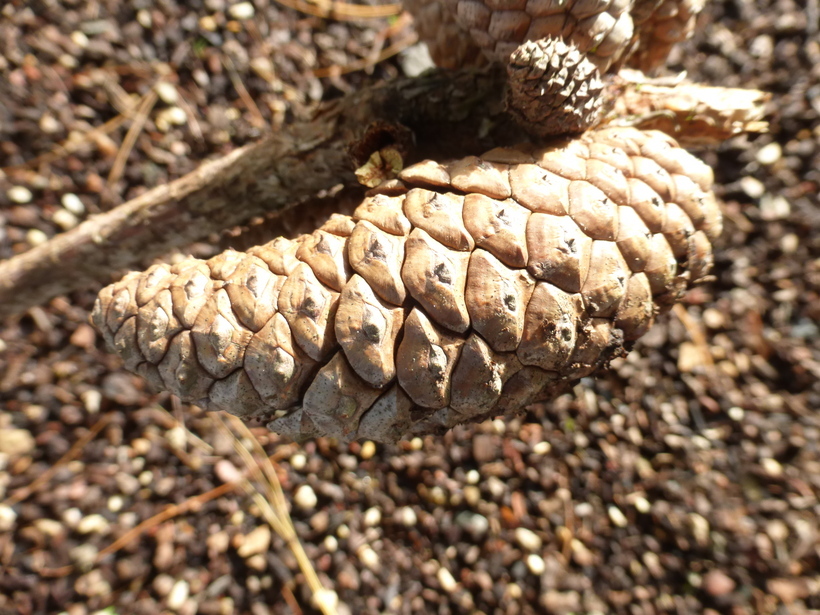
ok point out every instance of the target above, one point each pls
(601, 28)
(449, 45)
(554, 89)
(489, 284)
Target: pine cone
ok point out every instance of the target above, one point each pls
(554, 88)
(449, 45)
(659, 25)
(603, 29)
(479, 287)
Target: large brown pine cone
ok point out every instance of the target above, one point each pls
(476, 288)
(659, 25)
(602, 29)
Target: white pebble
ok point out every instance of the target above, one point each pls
(617, 517)
(305, 498)
(146, 478)
(752, 186)
(72, 203)
(769, 154)
(542, 448)
(736, 413)
(79, 38)
(700, 528)
(368, 449)
(472, 477)
(331, 544)
(65, 219)
(72, 517)
(7, 518)
(178, 595)
(19, 194)
(369, 558)
(298, 461)
(407, 516)
(176, 438)
(144, 18)
(536, 564)
(771, 466)
(642, 505)
(446, 580)
(115, 503)
(372, 517)
(36, 237)
(242, 10)
(167, 93)
(93, 524)
(49, 124)
(529, 540)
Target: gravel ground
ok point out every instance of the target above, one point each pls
(684, 480)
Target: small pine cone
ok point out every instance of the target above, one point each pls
(602, 28)
(488, 284)
(659, 25)
(554, 88)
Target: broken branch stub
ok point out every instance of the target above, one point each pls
(470, 290)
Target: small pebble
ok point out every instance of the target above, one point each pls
(475, 524)
(446, 580)
(369, 558)
(368, 449)
(167, 92)
(72, 203)
(298, 461)
(536, 564)
(178, 596)
(529, 540)
(752, 186)
(736, 413)
(769, 154)
(771, 466)
(407, 516)
(617, 516)
(93, 524)
(331, 544)
(72, 517)
(255, 542)
(79, 38)
(472, 477)
(542, 448)
(305, 498)
(7, 518)
(16, 442)
(718, 583)
(36, 237)
(115, 503)
(19, 194)
(372, 517)
(49, 527)
(144, 18)
(242, 10)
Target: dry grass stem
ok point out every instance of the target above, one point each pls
(273, 504)
(342, 11)
(140, 117)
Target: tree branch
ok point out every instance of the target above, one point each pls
(445, 113)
